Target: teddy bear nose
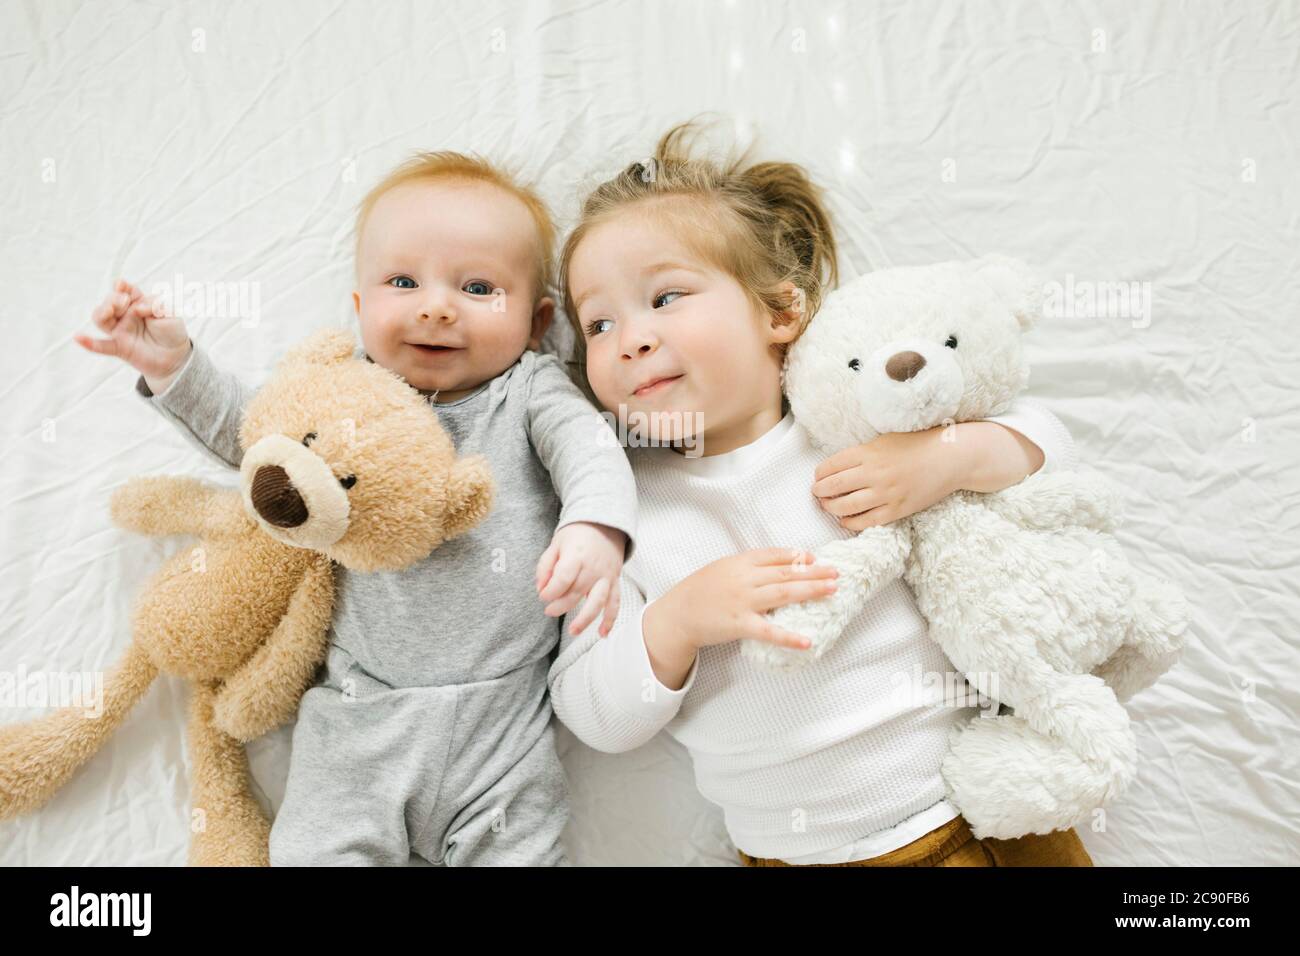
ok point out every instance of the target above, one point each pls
(904, 365)
(276, 499)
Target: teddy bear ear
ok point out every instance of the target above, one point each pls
(470, 490)
(324, 347)
(1015, 284)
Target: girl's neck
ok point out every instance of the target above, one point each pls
(750, 428)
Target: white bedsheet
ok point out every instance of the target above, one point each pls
(230, 142)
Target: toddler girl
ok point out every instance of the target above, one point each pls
(685, 282)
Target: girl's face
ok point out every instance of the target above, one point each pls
(674, 339)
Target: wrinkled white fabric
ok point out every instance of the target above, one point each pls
(231, 143)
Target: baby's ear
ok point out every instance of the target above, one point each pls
(323, 347)
(1015, 284)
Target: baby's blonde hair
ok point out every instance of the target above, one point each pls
(763, 224)
(447, 164)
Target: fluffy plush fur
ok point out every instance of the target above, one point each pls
(343, 462)
(1025, 590)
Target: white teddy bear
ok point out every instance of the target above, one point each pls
(1024, 590)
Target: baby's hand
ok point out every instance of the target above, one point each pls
(584, 560)
(141, 334)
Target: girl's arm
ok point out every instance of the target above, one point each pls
(1033, 423)
(609, 692)
(605, 689)
(900, 474)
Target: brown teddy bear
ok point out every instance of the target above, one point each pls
(343, 462)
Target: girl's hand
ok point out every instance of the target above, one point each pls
(897, 475)
(584, 560)
(727, 600)
(141, 334)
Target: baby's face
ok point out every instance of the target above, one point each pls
(649, 309)
(446, 279)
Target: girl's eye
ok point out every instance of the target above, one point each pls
(590, 327)
(662, 294)
(486, 287)
(396, 282)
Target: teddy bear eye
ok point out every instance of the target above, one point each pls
(855, 365)
(952, 342)
(308, 438)
(348, 482)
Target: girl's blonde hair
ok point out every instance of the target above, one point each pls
(763, 224)
(446, 164)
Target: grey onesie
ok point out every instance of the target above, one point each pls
(429, 728)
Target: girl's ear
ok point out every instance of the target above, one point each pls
(787, 325)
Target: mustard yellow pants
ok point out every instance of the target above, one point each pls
(953, 844)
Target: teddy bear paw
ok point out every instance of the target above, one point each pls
(811, 619)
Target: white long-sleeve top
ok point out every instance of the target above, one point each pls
(825, 763)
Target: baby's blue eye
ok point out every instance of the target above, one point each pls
(476, 284)
(662, 294)
(395, 280)
(590, 327)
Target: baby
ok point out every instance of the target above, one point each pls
(429, 728)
